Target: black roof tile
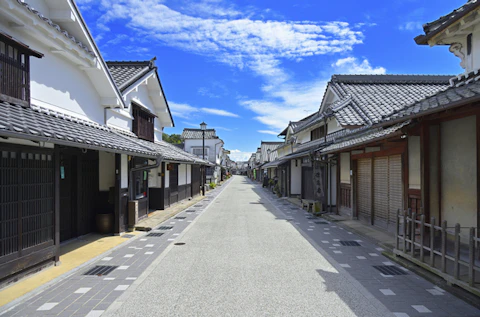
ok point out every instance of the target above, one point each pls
(125, 73)
(40, 124)
(198, 134)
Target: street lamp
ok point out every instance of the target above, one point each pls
(203, 127)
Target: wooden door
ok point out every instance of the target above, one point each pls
(380, 192)
(173, 184)
(68, 197)
(195, 180)
(364, 189)
(307, 183)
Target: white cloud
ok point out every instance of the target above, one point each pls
(268, 132)
(411, 26)
(181, 110)
(186, 111)
(350, 65)
(238, 156)
(219, 112)
(228, 35)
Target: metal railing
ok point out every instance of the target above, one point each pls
(439, 247)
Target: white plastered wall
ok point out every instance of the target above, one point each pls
(459, 173)
(189, 174)
(345, 168)
(333, 125)
(167, 178)
(106, 171)
(296, 177)
(414, 164)
(124, 171)
(182, 174)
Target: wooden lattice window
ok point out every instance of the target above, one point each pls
(143, 123)
(15, 70)
(26, 201)
(317, 133)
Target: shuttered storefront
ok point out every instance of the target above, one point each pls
(380, 191)
(385, 177)
(364, 189)
(395, 187)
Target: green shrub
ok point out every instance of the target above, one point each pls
(212, 185)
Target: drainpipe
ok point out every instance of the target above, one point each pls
(158, 161)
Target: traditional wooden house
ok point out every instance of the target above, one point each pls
(370, 174)
(60, 166)
(143, 120)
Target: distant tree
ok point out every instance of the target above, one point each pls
(173, 138)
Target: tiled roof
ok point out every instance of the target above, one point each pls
(356, 138)
(56, 26)
(433, 28)
(462, 93)
(197, 134)
(365, 99)
(126, 73)
(40, 124)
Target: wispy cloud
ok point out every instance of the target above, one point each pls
(219, 112)
(268, 132)
(186, 111)
(411, 26)
(227, 34)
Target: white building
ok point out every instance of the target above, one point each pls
(193, 139)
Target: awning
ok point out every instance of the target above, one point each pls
(275, 163)
(44, 125)
(365, 137)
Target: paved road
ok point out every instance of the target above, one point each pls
(246, 253)
(242, 258)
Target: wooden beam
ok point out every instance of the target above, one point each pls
(424, 168)
(117, 227)
(57, 204)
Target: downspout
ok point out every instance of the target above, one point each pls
(158, 161)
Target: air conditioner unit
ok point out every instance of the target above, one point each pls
(132, 213)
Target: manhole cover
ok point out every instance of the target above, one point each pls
(311, 217)
(350, 243)
(321, 222)
(390, 270)
(100, 270)
(180, 217)
(179, 243)
(198, 206)
(128, 236)
(294, 208)
(155, 234)
(164, 228)
(256, 203)
(190, 210)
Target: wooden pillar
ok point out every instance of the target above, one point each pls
(117, 195)
(338, 184)
(425, 167)
(478, 174)
(57, 205)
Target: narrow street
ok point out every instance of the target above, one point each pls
(245, 253)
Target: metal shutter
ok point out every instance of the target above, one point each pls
(395, 188)
(364, 189)
(380, 192)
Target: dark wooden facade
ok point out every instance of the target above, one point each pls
(143, 123)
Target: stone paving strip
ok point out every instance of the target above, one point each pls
(401, 291)
(90, 295)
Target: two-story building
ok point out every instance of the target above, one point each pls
(212, 152)
(61, 165)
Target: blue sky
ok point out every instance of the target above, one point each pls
(248, 67)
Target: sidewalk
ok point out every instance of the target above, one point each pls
(83, 253)
(400, 290)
